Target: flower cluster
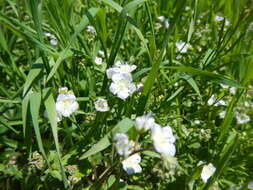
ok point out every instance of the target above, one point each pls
(52, 38)
(162, 21)
(122, 83)
(162, 137)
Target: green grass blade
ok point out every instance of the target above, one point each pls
(52, 115)
(25, 104)
(33, 75)
(225, 156)
(220, 79)
(7, 125)
(35, 101)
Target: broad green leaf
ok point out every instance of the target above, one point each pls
(122, 127)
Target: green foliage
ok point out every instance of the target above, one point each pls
(49, 44)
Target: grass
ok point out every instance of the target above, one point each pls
(177, 87)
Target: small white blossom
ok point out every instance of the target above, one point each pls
(207, 172)
(183, 46)
(158, 26)
(250, 185)
(222, 114)
(242, 118)
(132, 164)
(144, 123)
(122, 85)
(123, 146)
(219, 18)
(52, 37)
(197, 122)
(101, 53)
(161, 18)
(90, 29)
(47, 34)
(98, 60)
(120, 68)
(232, 90)
(101, 105)
(163, 140)
(224, 86)
(213, 100)
(66, 103)
(54, 42)
(139, 87)
(200, 163)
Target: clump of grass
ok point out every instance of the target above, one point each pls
(126, 94)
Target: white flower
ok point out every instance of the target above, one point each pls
(220, 103)
(101, 105)
(145, 122)
(213, 99)
(161, 18)
(164, 20)
(163, 140)
(207, 172)
(232, 90)
(123, 146)
(120, 68)
(197, 122)
(101, 53)
(139, 87)
(183, 46)
(222, 114)
(224, 86)
(98, 60)
(52, 37)
(122, 85)
(47, 34)
(250, 185)
(158, 26)
(242, 118)
(131, 164)
(54, 42)
(66, 103)
(219, 18)
(90, 29)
